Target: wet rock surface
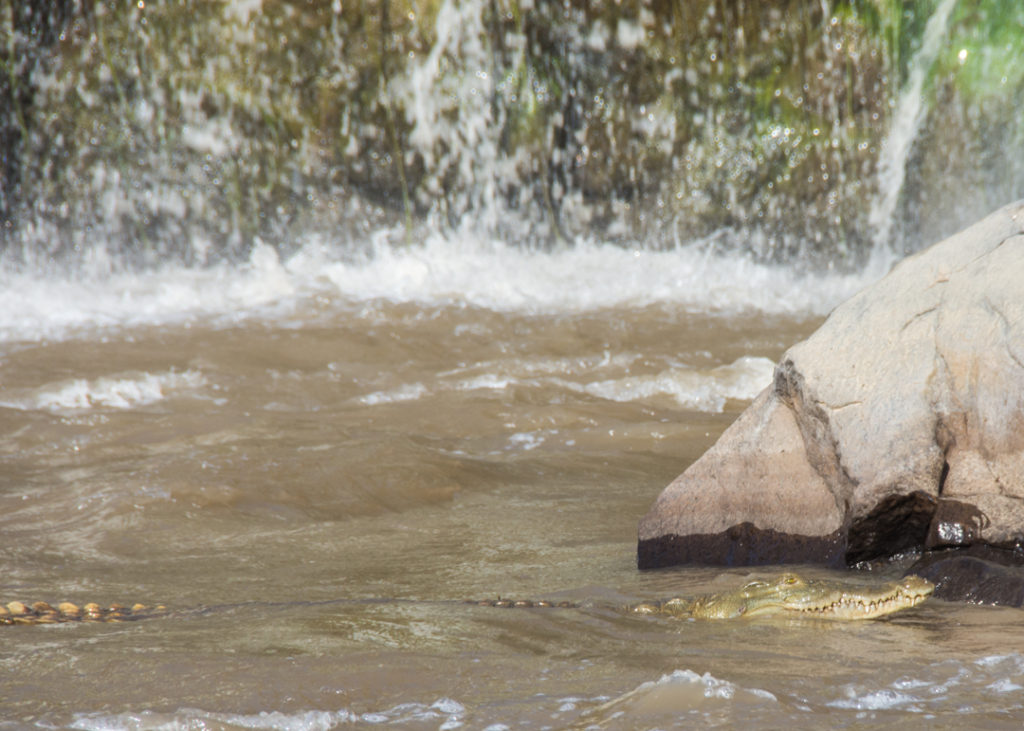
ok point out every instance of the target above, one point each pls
(978, 574)
(898, 425)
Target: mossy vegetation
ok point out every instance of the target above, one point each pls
(974, 157)
(190, 129)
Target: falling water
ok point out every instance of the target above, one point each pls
(906, 122)
(147, 139)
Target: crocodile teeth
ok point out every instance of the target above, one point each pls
(853, 605)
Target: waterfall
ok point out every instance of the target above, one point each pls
(191, 132)
(904, 127)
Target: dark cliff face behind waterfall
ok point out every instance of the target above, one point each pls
(134, 132)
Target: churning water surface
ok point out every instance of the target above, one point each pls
(313, 456)
(313, 460)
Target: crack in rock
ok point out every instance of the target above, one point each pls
(917, 317)
(838, 407)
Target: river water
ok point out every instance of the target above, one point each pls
(313, 461)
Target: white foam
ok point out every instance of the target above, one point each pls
(685, 691)
(445, 270)
(713, 687)
(705, 390)
(885, 699)
(444, 713)
(995, 679)
(526, 441)
(193, 719)
(1004, 685)
(692, 389)
(117, 392)
(36, 307)
(587, 276)
(406, 392)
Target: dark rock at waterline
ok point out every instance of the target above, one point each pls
(898, 425)
(978, 575)
(742, 545)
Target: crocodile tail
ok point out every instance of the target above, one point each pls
(43, 613)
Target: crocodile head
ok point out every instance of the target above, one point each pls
(793, 595)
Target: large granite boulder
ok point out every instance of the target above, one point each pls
(898, 425)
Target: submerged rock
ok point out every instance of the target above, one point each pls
(898, 425)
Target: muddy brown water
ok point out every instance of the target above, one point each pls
(313, 496)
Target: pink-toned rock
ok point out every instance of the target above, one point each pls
(899, 424)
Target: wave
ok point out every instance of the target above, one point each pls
(705, 390)
(444, 270)
(444, 713)
(124, 391)
(997, 679)
(696, 697)
(951, 690)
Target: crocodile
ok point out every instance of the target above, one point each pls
(788, 595)
(791, 595)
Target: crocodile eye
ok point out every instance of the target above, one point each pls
(789, 579)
